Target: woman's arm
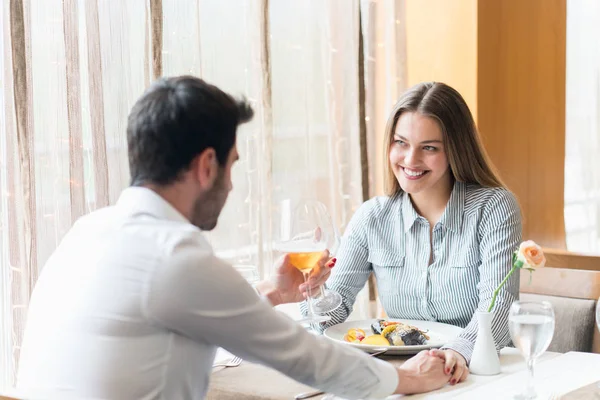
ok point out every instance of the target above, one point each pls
(499, 235)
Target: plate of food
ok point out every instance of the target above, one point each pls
(398, 336)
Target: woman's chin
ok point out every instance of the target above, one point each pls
(411, 187)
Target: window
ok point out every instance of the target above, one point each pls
(582, 168)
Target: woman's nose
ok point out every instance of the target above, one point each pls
(410, 157)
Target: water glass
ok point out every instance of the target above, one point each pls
(531, 327)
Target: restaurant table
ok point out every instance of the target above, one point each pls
(558, 376)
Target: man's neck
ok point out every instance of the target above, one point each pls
(175, 196)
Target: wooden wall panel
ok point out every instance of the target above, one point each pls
(441, 45)
(521, 106)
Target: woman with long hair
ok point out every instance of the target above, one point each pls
(442, 238)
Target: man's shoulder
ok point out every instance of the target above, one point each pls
(156, 234)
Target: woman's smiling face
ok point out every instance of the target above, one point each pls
(417, 155)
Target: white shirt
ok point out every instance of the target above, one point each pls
(133, 304)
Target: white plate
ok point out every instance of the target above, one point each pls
(439, 334)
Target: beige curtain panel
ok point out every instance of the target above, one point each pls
(72, 69)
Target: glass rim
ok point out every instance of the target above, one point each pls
(545, 304)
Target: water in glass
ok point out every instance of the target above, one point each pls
(531, 334)
(531, 326)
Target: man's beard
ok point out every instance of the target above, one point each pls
(209, 205)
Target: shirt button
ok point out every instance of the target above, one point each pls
(424, 302)
(424, 274)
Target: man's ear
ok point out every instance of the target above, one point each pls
(205, 168)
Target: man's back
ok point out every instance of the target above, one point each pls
(88, 332)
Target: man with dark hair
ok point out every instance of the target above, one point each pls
(174, 122)
(133, 303)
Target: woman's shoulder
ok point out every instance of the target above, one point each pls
(380, 206)
(375, 213)
(478, 197)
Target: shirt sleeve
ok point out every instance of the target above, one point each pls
(352, 268)
(499, 235)
(203, 298)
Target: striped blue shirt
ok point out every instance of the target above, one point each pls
(472, 247)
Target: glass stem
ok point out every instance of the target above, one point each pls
(530, 391)
(311, 311)
(318, 293)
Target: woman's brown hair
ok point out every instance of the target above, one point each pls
(467, 158)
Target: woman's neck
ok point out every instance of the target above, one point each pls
(431, 203)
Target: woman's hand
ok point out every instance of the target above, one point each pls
(455, 364)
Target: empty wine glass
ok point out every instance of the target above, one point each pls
(305, 232)
(531, 327)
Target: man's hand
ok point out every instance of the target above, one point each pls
(287, 284)
(456, 365)
(421, 373)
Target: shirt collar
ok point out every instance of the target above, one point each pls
(140, 200)
(409, 214)
(452, 216)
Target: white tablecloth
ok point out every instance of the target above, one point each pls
(555, 375)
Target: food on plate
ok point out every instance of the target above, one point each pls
(354, 335)
(376, 340)
(387, 333)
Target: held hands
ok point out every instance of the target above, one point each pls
(455, 364)
(422, 373)
(287, 284)
(430, 370)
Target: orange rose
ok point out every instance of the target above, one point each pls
(531, 255)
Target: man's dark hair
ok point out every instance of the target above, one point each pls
(175, 120)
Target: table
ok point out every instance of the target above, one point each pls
(556, 374)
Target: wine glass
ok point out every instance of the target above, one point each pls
(531, 326)
(305, 232)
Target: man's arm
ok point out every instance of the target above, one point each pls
(206, 300)
(203, 298)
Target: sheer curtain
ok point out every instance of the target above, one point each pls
(385, 76)
(73, 68)
(384, 53)
(582, 168)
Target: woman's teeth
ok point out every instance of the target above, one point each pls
(413, 173)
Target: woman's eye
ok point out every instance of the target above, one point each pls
(429, 148)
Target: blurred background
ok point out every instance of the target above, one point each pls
(322, 76)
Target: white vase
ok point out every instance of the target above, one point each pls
(484, 360)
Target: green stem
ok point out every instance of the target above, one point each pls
(491, 307)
